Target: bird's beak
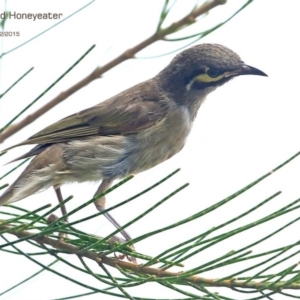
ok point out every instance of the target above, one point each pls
(245, 70)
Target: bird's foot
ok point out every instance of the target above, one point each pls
(53, 218)
(115, 241)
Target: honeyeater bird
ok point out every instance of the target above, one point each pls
(130, 132)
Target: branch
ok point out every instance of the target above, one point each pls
(157, 273)
(160, 34)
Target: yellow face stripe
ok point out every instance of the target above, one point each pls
(207, 78)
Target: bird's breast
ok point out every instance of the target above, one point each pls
(162, 141)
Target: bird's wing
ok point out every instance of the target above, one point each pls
(127, 113)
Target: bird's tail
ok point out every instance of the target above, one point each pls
(36, 177)
(8, 194)
(28, 183)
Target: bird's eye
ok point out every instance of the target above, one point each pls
(207, 76)
(213, 73)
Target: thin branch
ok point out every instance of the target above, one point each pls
(160, 34)
(158, 273)
(15, 83)
(6, 128)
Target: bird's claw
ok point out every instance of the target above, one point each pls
(115, 241)
(50, 220)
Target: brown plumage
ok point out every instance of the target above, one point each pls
(130, 132)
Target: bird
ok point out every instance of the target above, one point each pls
(130, 132)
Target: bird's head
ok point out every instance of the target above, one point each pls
(201, 69)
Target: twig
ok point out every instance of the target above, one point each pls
(158, 273)
(160, 34)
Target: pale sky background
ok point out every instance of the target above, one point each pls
(243, 130)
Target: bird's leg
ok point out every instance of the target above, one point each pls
(100, 205)
(60, 200)
(63, 209)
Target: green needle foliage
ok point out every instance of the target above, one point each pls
(87, 246)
